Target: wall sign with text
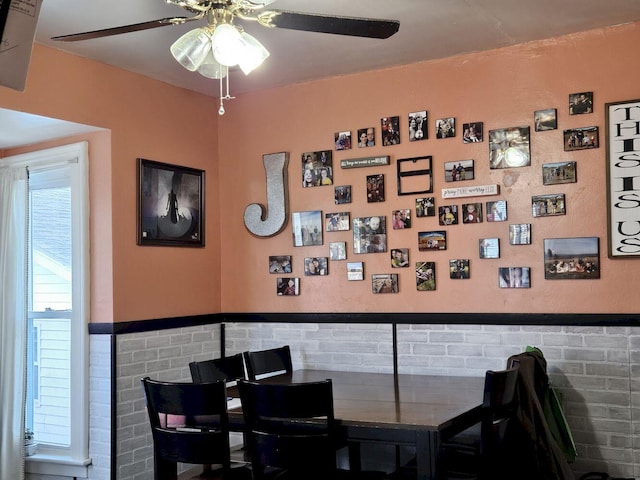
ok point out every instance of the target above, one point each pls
(623, 177)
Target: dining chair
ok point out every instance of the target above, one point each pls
(264, 362)
(292, 432)
(189, 424)
(229, 368)
(481, 451)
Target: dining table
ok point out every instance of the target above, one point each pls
(397, 409)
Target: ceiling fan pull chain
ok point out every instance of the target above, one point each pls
(224, 95)
(221, 109)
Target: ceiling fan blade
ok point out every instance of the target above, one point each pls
(356, 27)
(107, 32)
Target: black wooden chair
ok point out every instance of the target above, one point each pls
(292, 433)
(229, 368)
(189, 424)
(482, 451)
(263, 362)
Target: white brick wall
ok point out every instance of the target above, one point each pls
(161, 355)
(100, 407)
(595, 369)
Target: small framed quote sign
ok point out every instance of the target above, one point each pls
(623, 178)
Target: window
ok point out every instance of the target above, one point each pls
(57, 357)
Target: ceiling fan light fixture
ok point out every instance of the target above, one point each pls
(260, 3)
(253, 55)
(212, 69)
(192, 48)
(227, 45)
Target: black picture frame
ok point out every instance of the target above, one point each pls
(170, 205)
(559, 173)
(307, 228)
(575, 258)
(458, 170)
(546, 119)
(581, 138)
(509, 147)
(370, 234)
(580, 103)
(430, 241)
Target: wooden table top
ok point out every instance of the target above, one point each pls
(416, 402)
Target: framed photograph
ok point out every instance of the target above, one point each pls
(446, 127)
(580, 103)
(307, 228)
(288, 286)
(280, 264)
(571, 258)
(448, 215)
(355, 271)
(390, 127)
(472, 132)
(338, 251)
(370, 235)
(418, 126)
(342, 194)
(336, 222)
(426, 207)
(316, 266)
(459, 269)
(425, 276)
(580, 138)
(384, 283)
(497, 211)
(558, 173)
(546, 119)
(623, 152)
(170, 205)
(317, 169)
(471, 213)
(399, 257)
(375, 188)
(366, 137)
(489, 247)
(509, 148)
(401, 219)
(548, 205)
(520, 234)
(457, 171)
(342, 140)
(513, 277)
(429, 241)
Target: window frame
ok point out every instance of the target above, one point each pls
(75, 458)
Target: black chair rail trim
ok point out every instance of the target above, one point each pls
(555, 319)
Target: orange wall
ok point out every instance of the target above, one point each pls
(501, 88)
(147, 119)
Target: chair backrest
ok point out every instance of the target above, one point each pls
(268, 361)
(498, 407)
(290, 426)
(229, 368)
(201, 435)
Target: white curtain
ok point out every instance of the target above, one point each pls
(13, 228)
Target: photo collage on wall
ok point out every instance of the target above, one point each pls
(508, 147)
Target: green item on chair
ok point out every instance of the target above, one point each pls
(557, 421)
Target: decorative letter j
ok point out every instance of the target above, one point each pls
(266, 222)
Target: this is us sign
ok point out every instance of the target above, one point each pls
(623, 177)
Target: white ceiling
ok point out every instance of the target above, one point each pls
(429, 29)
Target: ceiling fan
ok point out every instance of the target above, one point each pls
(221, 44)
